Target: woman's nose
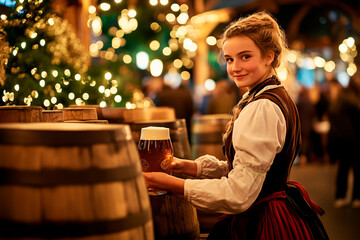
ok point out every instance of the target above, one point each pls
(236, 66)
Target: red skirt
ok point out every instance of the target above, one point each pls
(272, 217)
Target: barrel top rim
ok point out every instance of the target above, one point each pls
(10, 107)
(61, 126)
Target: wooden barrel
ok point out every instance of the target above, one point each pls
(71, 181)
(20, 114)
(97, 108)
(206, 134)
(173, 217)
(52, 116)
(124, 115)
(79, 114)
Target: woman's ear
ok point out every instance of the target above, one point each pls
(269, 58)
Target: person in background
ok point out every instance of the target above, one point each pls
(307, 113)
(178, 97)
(344, 141)
(262, 140)
(223, 98)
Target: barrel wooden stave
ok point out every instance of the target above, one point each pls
(206, 133)
(20, 114)
(76, 203)
(52, 116)
(80, 114)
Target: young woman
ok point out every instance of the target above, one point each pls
(261, 142)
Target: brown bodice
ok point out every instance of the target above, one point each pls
(278, 174)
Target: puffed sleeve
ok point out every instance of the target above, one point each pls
(258, 135)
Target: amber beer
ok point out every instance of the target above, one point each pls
(156, 152)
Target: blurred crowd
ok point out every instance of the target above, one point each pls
(330, 120)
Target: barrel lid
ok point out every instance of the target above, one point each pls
(60, 134)
(20, 107)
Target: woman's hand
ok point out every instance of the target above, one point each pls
(183, 166)
(163, 181)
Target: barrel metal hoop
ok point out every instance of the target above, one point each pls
(57, 229)
(57, 177)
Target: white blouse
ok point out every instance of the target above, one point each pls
(258, 135)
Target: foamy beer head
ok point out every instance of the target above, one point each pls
(155, 148)
(155, 133)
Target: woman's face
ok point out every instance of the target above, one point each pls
(245, 65)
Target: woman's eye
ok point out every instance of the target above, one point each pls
(245, 57)
(229, 60)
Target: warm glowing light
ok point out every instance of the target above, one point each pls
(23, 45)
(291, 57)
(166, 51)
(164, 2)
(185, 75)
(92, 9)
(117, 98)
(102, 104)
(155, 27)
(55, 73)
(108, 75)
(350, 42)
(175, 7)
(178, 63)
(85, 96)
(101, 89)
(113, 90)
(46, 102)
(127, 59)
(153, 2)
(154, 45)
(96, 25)
(51, 21)
(116, 42)
(67, 72)
(329, 66)
(156, 67)
(42, 42)
(211, 40)
(53, 100)
(33, 35)
(105, 6)
(77, 77)
(319, 62)
(17, 87)
(343, 48)
(42, 83)
(71, 96)
(142, 60)
(170, 17)
(183, 18)
(132, 13)
(209, 84)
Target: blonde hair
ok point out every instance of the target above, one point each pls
(267, 35)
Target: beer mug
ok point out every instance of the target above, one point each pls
(156, 152)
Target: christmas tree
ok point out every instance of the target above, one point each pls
(136, 39)
(47, 65)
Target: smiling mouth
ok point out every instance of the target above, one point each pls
(238, 77)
